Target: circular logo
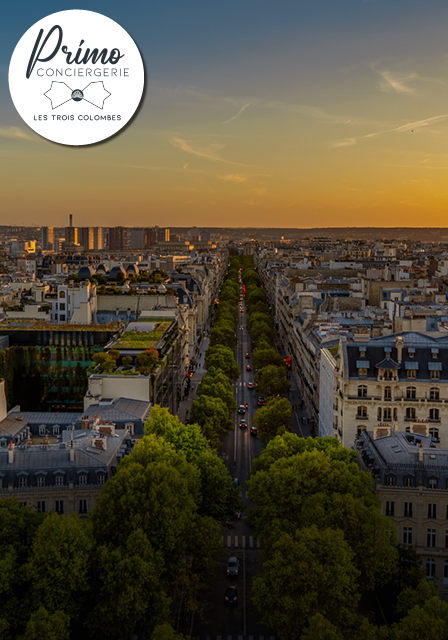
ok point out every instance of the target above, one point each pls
(76, 77)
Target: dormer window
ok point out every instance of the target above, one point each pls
(435, 353)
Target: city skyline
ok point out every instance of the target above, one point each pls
(254, 115)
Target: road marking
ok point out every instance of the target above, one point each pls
(251, 541)
(236, 541)
(228, 541)
(244, 541)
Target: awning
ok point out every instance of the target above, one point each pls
(288, 359)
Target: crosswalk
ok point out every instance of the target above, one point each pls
(243, 542)
(239, 638)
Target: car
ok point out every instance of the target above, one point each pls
(243, 424)
(233, 566)
(250, 385)
(235, 483)
(253, 431)
(241, 327)
(247, 355)
(231, 595)
(242, 409)
(248, 367)
(261, 401)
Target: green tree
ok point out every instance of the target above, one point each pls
(60, 563)
(211, 386)
(274, 418)
(426, 622)
(221, 357)
(148, 358)
(320, 629)
(212, 415)
(309, 573)
(265, 355)
(166, 632)
(127, 361)
(271, 380)
(223, 334)
(55, 626)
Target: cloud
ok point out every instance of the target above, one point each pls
(346, 142)
(209, 152)
(396, 84)
(17, 134)
(238, 114)
(233, 178)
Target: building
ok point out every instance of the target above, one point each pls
(136, 239)
(118, 238)
(163, 235)
(47, 238)
(98, 238)
(399, 380)
(86, 238)
(411, 478)
(71, 237)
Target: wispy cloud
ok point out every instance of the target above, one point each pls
(17, 133)
(232, 177)
(399, 85)
(345, 142)
(238, 114)
(209, 151)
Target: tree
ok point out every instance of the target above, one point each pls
(426, 622)
(309, 573)
(320, 629)
(221, 357)
(223, 334)
(60, 564)
(105, 361)
(262, 332)
(212, 415)
(217, 389)
(42, 624)
(274, 418)
(271, 380)
(265, 355)
(127, 361)
(166, 632)
(148, 358)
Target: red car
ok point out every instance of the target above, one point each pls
(248, 367)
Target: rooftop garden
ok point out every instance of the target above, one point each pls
(142, 339)
(42, 325)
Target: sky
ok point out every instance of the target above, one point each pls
(256, 113)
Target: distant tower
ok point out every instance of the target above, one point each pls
(71, 220)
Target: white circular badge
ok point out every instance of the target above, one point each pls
(76, 77)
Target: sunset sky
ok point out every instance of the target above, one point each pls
(268, 113)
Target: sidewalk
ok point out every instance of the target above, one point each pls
(196, 379)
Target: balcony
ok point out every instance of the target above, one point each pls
(362, 417)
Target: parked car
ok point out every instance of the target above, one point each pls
(261, 401)
(233, 566)
(231, 595)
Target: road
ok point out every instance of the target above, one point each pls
(238, 452)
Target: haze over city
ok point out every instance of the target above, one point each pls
(255, 114)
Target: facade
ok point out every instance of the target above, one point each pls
(411, 478)
(86, 238)
(71, 236)
(400, 380)
(66, 477)
(47, 238)
(118, 238)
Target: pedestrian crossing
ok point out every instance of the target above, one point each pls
(243, 542)
(250, 637)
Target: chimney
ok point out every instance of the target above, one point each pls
(399, 344)
(72, 449)
(420, 452)
(11, 453)
(71, 220)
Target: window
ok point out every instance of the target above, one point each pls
(378, 415)
(410, 413)
(56, 431)
(42, 430)
(391, 480)
(408, 509)
(434, 433)
(40, 481)
(362, 372)
(101, 478)
(83, 506)
(362, 391)
(435, 375)
(430, 568)
(410, 393)
(434, 393)
(59, 481)
(388, 393)
(62, 317)
(409, 481)
(41, 507)
(412, 373)
(62, 294)
(432, 511)
(60, 507)
(411, 353)
(430, 538)
(23, 482)
(360, 430)
(362, 412)
(388, 374)
(432, 483)
(390, 508)
(62, 306)
(387, 415)
(407, 535)
(130, 425)
(435, 354)
(83, 479)
(434, 414)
